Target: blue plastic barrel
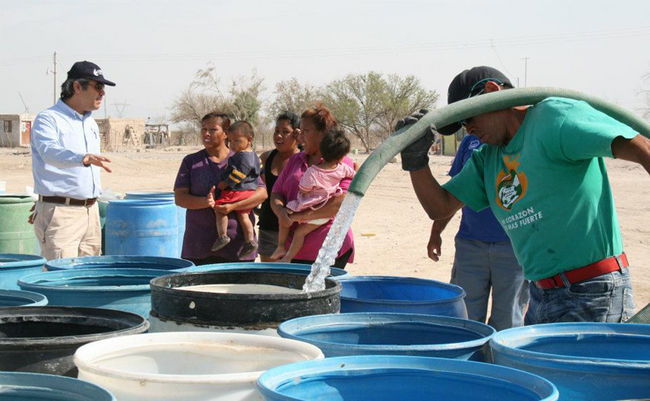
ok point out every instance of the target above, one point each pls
(377, 333)
(102, 205)
(270, 267)
(402, 295)
(13, 266)
(586, 361)
(15, 386)
(119, 262)
(141, 227)
(389, 378)
(149, 195)
(180, 211)
(122, 289)
(11, 298)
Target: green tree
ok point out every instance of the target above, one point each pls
(357, 101)
(293, 96)
(191, 105)
(369, 105)
(403, 97)
(203, 95)
(244, 101)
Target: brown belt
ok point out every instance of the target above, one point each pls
(68, 201)
(607, 265)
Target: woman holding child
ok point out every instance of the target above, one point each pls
(196, 189)
(316, 123)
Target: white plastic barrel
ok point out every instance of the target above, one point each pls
(198, 366)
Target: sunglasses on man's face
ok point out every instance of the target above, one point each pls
(479, 87)
(98, 86)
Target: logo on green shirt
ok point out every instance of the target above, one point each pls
(511, 184)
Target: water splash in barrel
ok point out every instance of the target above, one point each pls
(327, 253)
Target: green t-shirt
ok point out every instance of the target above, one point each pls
(549, 188)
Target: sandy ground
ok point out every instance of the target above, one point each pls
(391, 229)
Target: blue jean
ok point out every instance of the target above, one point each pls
(483, 266)
(606, 298)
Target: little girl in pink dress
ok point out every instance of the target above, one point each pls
(317, 185)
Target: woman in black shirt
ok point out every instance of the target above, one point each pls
(285, 139)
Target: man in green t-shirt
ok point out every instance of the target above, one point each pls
(544, 178)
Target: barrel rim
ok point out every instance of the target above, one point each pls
(460, 292)
(257, 266)
(135, 259)
(270, 380)
(150, 193)
(36, 298)
(8, 199)
(70, 312)
(31, 281)
(333, 287)
(43, 380)
(184, 337)
(499, 344)
(22, 261)
(140, 202)
(369, 319)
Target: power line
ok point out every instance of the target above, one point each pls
(54, 72)
(120, 107)
(24, 104)
(418, 47)
(525, 70)
(494, 49)
(429, 47)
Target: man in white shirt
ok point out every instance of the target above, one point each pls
(66, 165)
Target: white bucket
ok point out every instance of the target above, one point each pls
(198, 366)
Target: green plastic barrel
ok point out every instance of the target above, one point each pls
(16, 234)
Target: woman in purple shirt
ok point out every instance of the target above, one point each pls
(199, 173)
(313, 125)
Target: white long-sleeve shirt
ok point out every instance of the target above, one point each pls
(60, 137)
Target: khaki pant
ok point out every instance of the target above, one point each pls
(67, 231)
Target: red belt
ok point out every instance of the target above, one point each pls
(607, 265)
(68, 201)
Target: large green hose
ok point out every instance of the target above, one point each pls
(474, 106)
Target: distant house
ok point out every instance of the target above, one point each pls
(157, 135)
(15, 129)
(121, 134)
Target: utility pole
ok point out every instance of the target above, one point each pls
(120, 107)
(24, 104)
(54, 73)
(525, 70)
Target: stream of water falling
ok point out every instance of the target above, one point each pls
(327, 253)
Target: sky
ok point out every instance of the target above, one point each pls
(152, 48)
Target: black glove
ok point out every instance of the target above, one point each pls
(416, 155)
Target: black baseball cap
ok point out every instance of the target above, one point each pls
(88, 70)
(468, 84)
